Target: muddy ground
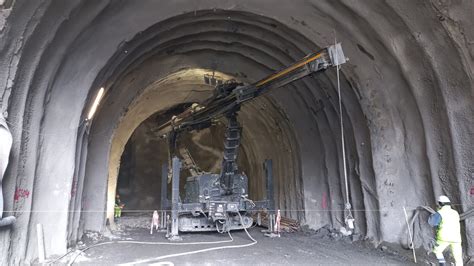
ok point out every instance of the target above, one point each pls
(299, 248)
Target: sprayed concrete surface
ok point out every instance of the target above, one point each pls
(407, 95)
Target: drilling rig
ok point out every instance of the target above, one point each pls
(219, 201)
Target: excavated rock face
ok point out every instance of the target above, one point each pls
(407, 95)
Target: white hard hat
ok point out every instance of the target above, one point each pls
(443, 199)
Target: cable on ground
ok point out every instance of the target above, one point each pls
(200, 250)
(137, 242)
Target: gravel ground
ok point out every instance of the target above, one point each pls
(298, 248)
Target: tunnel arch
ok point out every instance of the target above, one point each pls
(407, 94)
(295, 207)
(185, 85)
(316, 216)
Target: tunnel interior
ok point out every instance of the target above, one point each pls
(406, 109)
(288, 125)
(297, 126)
(146, 152)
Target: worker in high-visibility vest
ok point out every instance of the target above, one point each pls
(448, 231)
(118, 207)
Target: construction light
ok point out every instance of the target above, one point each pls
(95, 104)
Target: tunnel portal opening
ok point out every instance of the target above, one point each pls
(295, 126)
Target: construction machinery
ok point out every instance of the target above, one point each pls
(219, 201)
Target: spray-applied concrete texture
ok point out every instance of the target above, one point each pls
(407, 95)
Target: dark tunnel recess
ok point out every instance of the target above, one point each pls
(140, 172)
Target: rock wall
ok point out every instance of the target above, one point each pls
(407, 104)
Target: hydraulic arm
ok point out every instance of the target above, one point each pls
(228, 97)
(216, 201)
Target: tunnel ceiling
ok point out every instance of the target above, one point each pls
(407, 103)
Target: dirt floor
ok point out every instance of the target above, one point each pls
(300, 248)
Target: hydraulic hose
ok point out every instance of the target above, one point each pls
(168, 243)
(200, 250)
(141, 243)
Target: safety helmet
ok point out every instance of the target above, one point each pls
(443, 199)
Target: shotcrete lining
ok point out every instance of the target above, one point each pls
(295, 207)
(411, 69)
(317, 218)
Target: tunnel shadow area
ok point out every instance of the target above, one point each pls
(139, 182)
